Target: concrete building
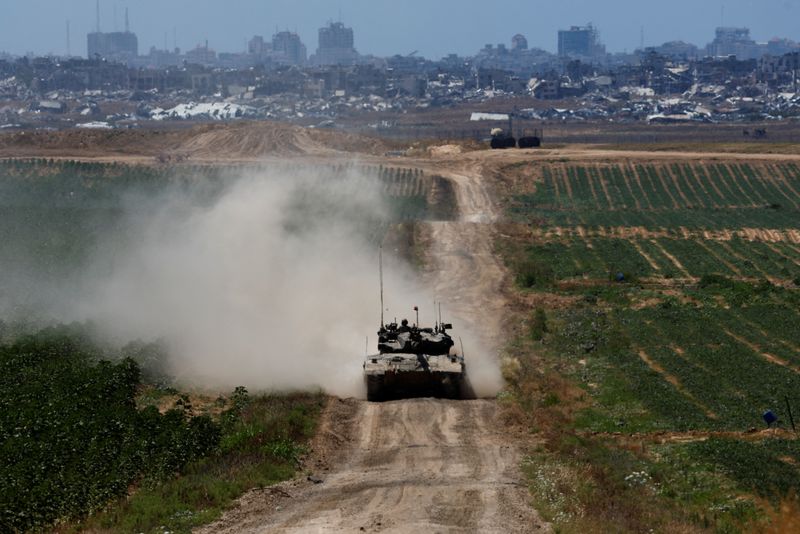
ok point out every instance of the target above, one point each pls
(678, 50)
(581, 42)
(735, 42)
(160, 58)
(257, 46)
(336, 45)
(201, 55)
(113, 46)
(779, 47)
(519, 42)
(288, 49)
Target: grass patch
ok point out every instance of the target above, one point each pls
(263, 441)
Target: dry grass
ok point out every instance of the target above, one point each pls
(783, 517)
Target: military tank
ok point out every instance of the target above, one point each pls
(413, 361)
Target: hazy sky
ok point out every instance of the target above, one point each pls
(386, 27)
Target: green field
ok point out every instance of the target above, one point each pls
(94, 436)
(683, 284)
(665, 195)
(670, 221)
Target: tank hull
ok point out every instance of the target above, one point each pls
(394, 376)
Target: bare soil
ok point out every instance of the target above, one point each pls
(419, 465)
(215, 142)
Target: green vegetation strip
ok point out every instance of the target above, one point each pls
(74, 441)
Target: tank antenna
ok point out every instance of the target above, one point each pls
(440, 313)
(380, 270)
(366, 347)
(462, 346)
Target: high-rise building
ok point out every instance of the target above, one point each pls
(336, 45)
(288, 49)
(257, 46)
(115, 46)
(580, 41)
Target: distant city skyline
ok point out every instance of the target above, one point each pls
(385, 28)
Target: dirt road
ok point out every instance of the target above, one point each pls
(462, 267)
(418, 465)
(421, 465)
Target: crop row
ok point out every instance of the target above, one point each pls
(405, 186)
(667, 257)
(76, 183)
(713, 196)
(686, 367)
(673, 186)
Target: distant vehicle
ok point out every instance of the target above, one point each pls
(501, 139)
(531, 139)
(759, 133)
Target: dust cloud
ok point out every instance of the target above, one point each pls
(273, 285)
